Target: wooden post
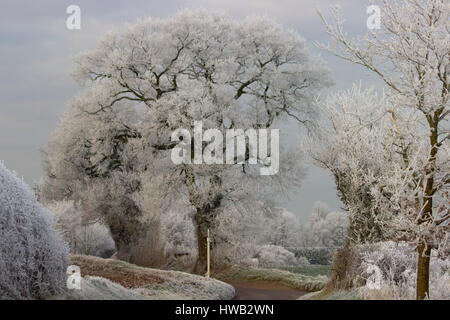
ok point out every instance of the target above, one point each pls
(208, 256)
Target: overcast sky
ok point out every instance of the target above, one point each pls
(36, 52)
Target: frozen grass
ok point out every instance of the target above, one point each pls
(96, 288)
(293, 280)
(332, 295)
(114, 279)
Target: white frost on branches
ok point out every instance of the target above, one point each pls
(325, 228)
(379, 161)
(92, 239)
(112, 148)
(398, 265)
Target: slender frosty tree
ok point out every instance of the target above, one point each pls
(350, 143)
(193, 66)
(410, 54)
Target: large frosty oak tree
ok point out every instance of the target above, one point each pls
(410, 54)
(156, 76)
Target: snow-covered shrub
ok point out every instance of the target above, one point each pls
(270, 256)
(33, 256)
(236, 237)
(92, 239)
(316, 255)
(244, 239)
(181, 245)
(397, 263)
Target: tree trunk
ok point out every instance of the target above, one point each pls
(136, 242)
(200, 265)
(125, 228)
(204, 215)
(424, 250)
(342, 268)
(423, 271)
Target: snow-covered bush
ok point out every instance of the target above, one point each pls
(267, 238)
(315, 255)
(92, 239)
(235, 237)
(181, 246)
(33, 257)
(270, 256)
(398, 263)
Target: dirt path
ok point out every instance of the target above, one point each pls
(264, 290)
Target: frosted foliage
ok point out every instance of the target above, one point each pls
(390, 154)
(325, 228)
(264, 237)
(33, 257)
(320, 211)
(179, 230)
(284, 229)
(155, 76)
(237, 233)
(377, 156)
(180, 245)
(398, 263)
(349, 143)
(270, 256)
(93, 239)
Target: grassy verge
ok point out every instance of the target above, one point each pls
(312, 270)
(287, 278)
(146, 282)
(325, 294)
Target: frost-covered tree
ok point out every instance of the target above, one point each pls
(265, 237)
(33, 256)
(349, 142)
(283, 228)
(93, 239)
(320, 236)
(374, 155)
(325, 228)
(410, 55)
(156, 76)
(237, 233)
(319, 211)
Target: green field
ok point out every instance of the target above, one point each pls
(296, 280)
(312, 270)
